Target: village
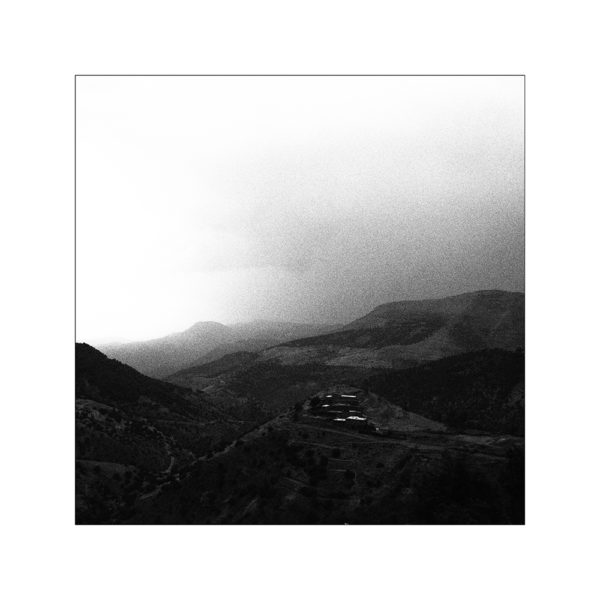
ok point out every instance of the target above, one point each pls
(339, 405)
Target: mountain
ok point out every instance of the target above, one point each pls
(438, 443)
(205, 342)
(405, 334)
(483, 390)
(413, 413)
(101, 378)
(258, 335)
(190, 416)
(159, 357)
(344, 453)
(132, 430)
(393, 336)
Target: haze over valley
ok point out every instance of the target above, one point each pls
(300, 300)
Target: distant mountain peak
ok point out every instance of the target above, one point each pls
(203, 327)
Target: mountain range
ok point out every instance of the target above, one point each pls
(397, 335)
(205, 341)
(404, 334)
(436, 388)
(393, 335)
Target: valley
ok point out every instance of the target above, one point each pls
(300, 433)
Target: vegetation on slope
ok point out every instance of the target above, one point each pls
(302, 473)
(479, 390)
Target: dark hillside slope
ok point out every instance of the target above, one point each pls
(107, 380)
(265, 387)
(299, 470)
(131, 430)
(294, 467)
(480, 390)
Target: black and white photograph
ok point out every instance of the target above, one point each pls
(300, 300)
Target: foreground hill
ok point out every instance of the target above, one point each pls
(405, 334)
(131, 429)
(412, 414)
(328, 444)
(108, 380)
(205, 342)
(302, 468)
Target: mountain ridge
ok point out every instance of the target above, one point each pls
(407, 333)
(160, 357)
(398, 334)
(444, 304)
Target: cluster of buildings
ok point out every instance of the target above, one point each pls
(338, 405)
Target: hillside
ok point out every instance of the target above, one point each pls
(205, 342)
(303, 468)
(131, 429)
(412, 414)
(405, 334)
(118, 385)
(481, 390)
(394, 335)
(431, 444)
(214, 368)
(161, 356)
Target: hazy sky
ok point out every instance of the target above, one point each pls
(306, 199)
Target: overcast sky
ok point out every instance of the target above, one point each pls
(307, 199)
